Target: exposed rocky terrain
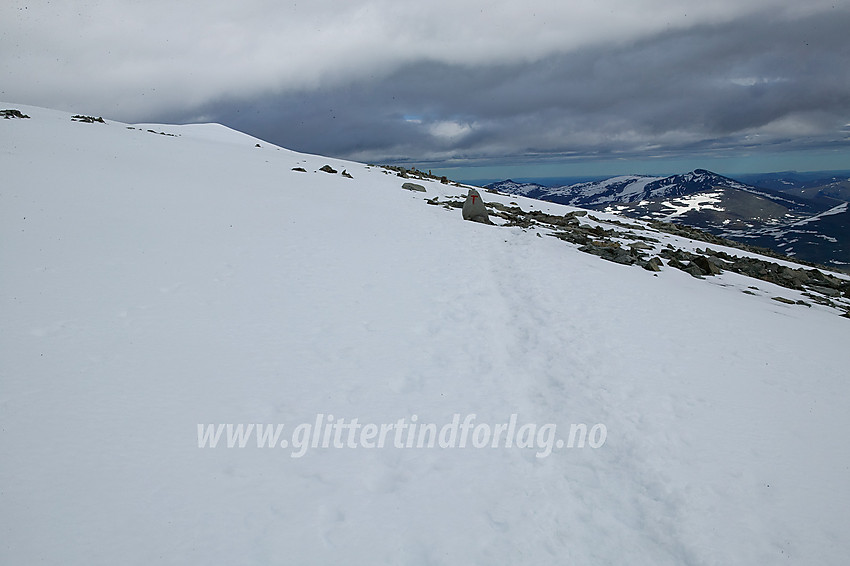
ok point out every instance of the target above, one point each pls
(635, 244)
(812, 229)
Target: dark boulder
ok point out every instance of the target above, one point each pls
(706, 266)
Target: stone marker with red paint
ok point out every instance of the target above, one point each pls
(474, 209)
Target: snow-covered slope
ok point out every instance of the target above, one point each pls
(154, 283)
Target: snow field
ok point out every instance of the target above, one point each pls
(152, 283)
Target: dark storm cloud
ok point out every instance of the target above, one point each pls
(756, 81)
(397, 80)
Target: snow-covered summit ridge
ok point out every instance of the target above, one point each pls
(153, 282)
(623, 188)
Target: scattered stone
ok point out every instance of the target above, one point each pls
(653, 264)
(413, 187)
(784, 300)
(616, 223)
(12, 113)
(694, 270)
(799, 279)
(705, 266)
(87, 119)
(612, 252)
(299, 169)
(474, 209)
(346, 174)
(328, 169)
(819, 299)
(828, 291)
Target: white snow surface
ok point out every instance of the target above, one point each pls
(695, 202)
(153, 283)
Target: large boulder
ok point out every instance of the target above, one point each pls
(474, 209)
(706, 266)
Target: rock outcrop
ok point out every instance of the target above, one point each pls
(12, 113)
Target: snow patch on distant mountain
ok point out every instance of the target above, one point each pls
(693, 203)
(840, 209)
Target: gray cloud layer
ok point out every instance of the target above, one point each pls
(381, 81)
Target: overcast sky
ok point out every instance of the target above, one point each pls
(479, 89)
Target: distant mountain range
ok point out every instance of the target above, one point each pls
(808, 220)
(823, 184)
